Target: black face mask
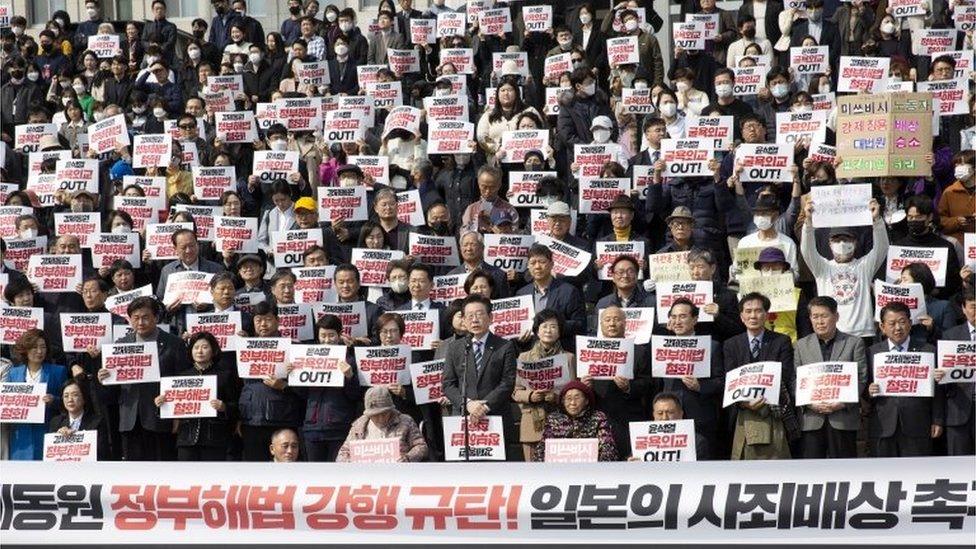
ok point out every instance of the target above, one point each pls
(295, 10)
(220, 9)
(16, 74)
(440, 228)
(749, 33)
(918, 227)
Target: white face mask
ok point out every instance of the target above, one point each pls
(79, 88)
(98, 116)
(601, 136)
(842, 249)
(668, 110)
(33, 76)
(150, 59)
(348, 181)
(631, 25)
(399, 286)
(723, 90)
(330, 16)
(590, 90)
(18, 31)
(566, 43)
(194, 54)
(254, 58)
(780, 91)
(28, 233)
(683, 87)
(159, 112)
(345, 26)
(341, 50)
(121, 229)
(138, 110)
(585, 18)
(92, 13)
(278, 145)
(888, 28)
(238, 67)
(65, 101)
(963, 172)
(802, 108)
(640, 85)
(762, 222)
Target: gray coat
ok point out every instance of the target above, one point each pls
(846, 348)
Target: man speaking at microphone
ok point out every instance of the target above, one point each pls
(485, 364)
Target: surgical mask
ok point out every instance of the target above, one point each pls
(33, 76)
(193, 53)
(888, 27)
(585, 18)
(762, 222)
(150, 59)
(668, 110)
(641, 85)
(917, 227)
(65, 101)
(351, 181)
(440, 228)
(28, 233)
(98, 116)
(254, 58)
(345, 26)
(601, 136)
(590, 90)
(842, 249)
(121, 229)
(18, 31)
(723, 90)
(238, 67)
(631, 25)
(565, 44)
(341, 50)
(462, 160)
(92, 13)
(138, 110)
(780, 91)
(825, 88)
(577, 64)
(297, 10)
(683, 87)
(331, 16)
(749, 33)
(278, 145)
(399, 286)
(802, 108)
(159, 112)
(627, 79)
(79, 88)
(962, 172)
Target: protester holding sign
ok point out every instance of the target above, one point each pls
(578, 418)
(381, 420)
(960, 396)
(79, 415)
(31, 354)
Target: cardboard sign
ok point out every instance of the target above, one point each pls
(634, 101)
(22, 402)
(461, 58)
(105, 46)
(508, 252)
(571, 450)
(681, 356)
(884, 135)
(236, 127)
(810, 60)
(689, 36)
(668, 267)
(27, 137)
(752, 382)
(953, 95)
(779, 288)
(687, 157)
(765, 162)
(449, 107)
(383, 365)
(604, 358)
(958, 358)
(346, 203)
(372, 265)
(382, 450)
(826, 383)
(450, 137)
(223, 326)
(14, 321)
(79, 446)
(81, 331)
(118, 304)
(316, 365)
(664, 440)
(513, 316)
(904, 374)
(344, 126)
(791, 127)
(495, 21)
(20, 250)
(608, 252)
(596, 195)
(867, 74)
(212, 183)
(403, 118)
(841, 205)
(188, 288)
(421, 328)
(77, 175)
(236, 234)
(623, 51)
(911, 295)
(271, 165)
(699, 292)
(409, 208)
(130, 362)
(295, 321)
(547, 374)
(108, 135)
(450, 23)
(288, 246)
(439, 251)
(262, 357)
(716, 128)
(748, 80)
(352, 315)
(314, 284)
(187, 396)
(313, 74)
(485, 439)
(447, 288)
(159, 239)
(55, 273)
(426, 379)
(423, 31)
(591, 158)
(537, 18)
(83, 226)
(517, 143)
(556, 65)
(639, 321)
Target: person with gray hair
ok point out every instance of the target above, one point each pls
(724, 306)
(381, 420)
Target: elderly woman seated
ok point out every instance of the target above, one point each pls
(381, 420)
(578, 418)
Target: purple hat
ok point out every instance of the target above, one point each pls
(770, 255)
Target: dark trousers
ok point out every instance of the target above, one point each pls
(142, 445)
(900, 445)
(827, 442)
(321, 450)
(201, 453)
(959, 439)
(257, 442)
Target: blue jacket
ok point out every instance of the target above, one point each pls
(27, 440)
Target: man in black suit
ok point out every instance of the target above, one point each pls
(485, 363)
(343, 77)
(902, 426)
(419, 283)
(187, 259)
(959, 407)
(762, 431)
(146, 437)
(549, 292)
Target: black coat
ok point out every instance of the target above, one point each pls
(213, 432)
(911, 416)
(90, 421)
(137, 400)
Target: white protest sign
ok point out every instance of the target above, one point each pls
(546, 374)
(639, 321)
(188, 288)
(236, 127)
(383, 365)
(904, 374)
(22, 402)
(867, 74)
(687, 157)
(752, 382)
(512, 316)
(55, 273)
(236, 234)
(130, 362)
(716, 128)
(345, 203)
(604, 358)
(596, 194)
(223, 326)
(316, 365)
(663, 440)
(262, 357)
(485, 439)
(911, 295)
(79, 446)
(826, 383)
(426, 377)
(841, 205)
(352, 315)
(681, 356)
(80, 331)
(698, 292)
(187, 396)
(571, 450)
(958, 359)
(421, 328)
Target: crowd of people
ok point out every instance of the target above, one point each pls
(161, 88)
